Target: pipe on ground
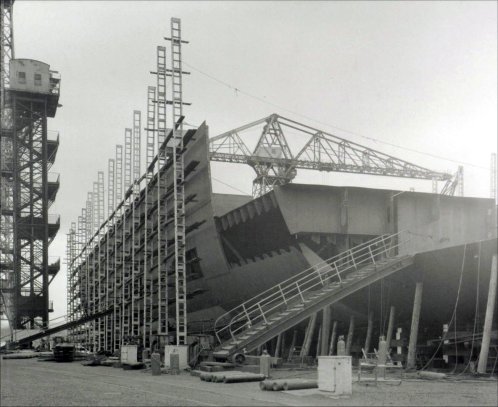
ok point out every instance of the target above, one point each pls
(287, 384)
(424, 374)
(299, 384)
(244, 378)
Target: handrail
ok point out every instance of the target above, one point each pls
(292, 290)
(306, 271)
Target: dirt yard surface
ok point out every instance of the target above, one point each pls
(31, 382)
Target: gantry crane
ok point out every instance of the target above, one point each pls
(275, 164)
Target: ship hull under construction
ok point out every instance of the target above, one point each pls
(238, 246)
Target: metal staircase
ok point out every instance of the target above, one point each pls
(281, 307)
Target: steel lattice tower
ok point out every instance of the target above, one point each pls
(30, 94)
(6, 163)
(33, 191)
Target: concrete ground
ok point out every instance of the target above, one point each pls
(29, 382)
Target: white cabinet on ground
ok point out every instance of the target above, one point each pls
(335, 374)
(129, 354)
(181, 351)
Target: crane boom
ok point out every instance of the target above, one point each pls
(274, 163)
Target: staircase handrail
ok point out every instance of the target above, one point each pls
(325, 263)
(303, 285)
(253, 311)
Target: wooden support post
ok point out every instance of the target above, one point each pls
(282, 346)
(368, 338)
(382, 357)
(324, 348)
(332, 339)
(293, 345)
(390, 328)
(349, 339)
(488, 321)
(271, 346)
(319, 342)
(278, 345)
(412, 345)
(305, 350)
(399, 348)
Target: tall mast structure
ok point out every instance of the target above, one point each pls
(6, 162)
(30, 95)
(7, 44)
(178, 183)
(161, 207)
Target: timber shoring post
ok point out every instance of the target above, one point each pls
(319, 342)
(278, 345)
(293, 344)
(282, 345)
(332, 338)
(390, 328)
(488, 321)
(305, 350)
(349, 339)
(325, 332)
(368, 338)
(412, 345)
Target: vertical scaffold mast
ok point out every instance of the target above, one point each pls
(148, 302)
(110, 297)
(178, 183)
(118, 258)
(161, 208)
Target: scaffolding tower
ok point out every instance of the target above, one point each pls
(133, 259)
(178, 184)
(161, 206)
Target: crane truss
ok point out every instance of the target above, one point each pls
(274, 163)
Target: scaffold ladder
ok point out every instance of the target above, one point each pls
(162, 283)
(118, 251)
(148, 199)
(178, 184)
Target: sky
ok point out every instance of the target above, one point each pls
(421, 76)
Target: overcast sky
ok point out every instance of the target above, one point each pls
(420, 75)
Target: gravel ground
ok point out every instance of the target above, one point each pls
(28, 382)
